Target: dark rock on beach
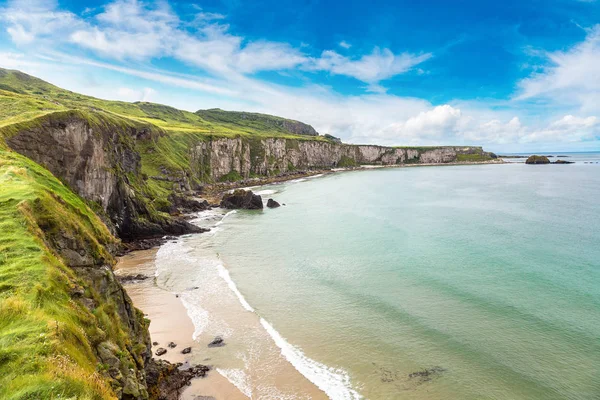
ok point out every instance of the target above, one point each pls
(160, 351)
(167, 381)
(272, 203)
(217, 342)
(187, 350)
(172, 345)
(243, 199)
(132, 278)
(537, 160)
(154, 343)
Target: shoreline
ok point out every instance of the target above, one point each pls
(170, 318)
(170, 322)
(214, 191)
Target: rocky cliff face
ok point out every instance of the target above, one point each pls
(98, 160)
(99, 157)
(219, 157)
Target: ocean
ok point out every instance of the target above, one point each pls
(445, 282)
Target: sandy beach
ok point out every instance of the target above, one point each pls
(170, 323)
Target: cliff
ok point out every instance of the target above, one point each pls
(67, 327)
(220, 158)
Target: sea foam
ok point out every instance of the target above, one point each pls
(334, 382)
(223, 273)
(238, 378)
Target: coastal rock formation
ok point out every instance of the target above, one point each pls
(167, 381)
(243, 157)
(562, 162)
(98, 160)
(243, 199)
(537, 160)
(272, 203)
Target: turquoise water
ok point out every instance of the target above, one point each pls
(488, 276)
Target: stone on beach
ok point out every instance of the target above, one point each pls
(217, 342)
(160, 351)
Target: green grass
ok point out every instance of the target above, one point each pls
(46, 337)
(23, 97)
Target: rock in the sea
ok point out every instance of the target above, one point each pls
(217, 342)
(160, 351)
(272, 203)
(563, 162)
(172, 345)
(537, 160)
(244, 199)
(187, 350)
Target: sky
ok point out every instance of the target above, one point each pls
(512, 76)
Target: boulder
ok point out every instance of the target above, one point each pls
(187, 350)
(563, 162)
(160, 351)
(243, 199)
(537, 160)
(272, 203)
(172, 345)
(217, 342)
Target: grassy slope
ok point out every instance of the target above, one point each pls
(46, 337)
(23, 97)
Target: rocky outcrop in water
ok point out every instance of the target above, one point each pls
(242, 199)
(272, 203)
(537, 160)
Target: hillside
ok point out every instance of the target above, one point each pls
(24, 97)
(67, 328)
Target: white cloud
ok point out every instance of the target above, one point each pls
(345, 44)
(138, 30)
(28, 20)
(571, 79)
(129, 30)
(370, 68)
(128, 94)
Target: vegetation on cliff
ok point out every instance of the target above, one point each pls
(53, 321)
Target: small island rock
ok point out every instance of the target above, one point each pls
(537, 160)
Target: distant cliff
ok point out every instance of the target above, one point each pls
(220, 157)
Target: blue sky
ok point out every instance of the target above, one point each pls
(511, 75)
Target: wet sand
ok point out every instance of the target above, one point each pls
(170, 323)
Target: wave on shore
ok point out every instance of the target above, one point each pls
(335, 383)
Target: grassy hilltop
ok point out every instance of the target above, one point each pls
(24, 98)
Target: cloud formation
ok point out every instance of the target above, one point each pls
(125, 34)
